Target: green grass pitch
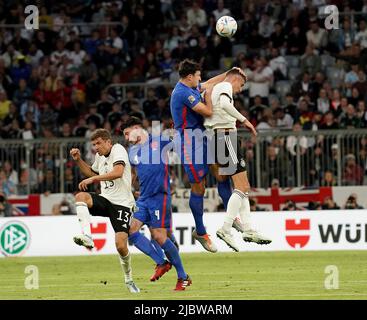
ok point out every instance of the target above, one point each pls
(265, 275)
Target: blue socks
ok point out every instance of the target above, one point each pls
(172, 237)
(145, 246)
(225, 191)
(157, 248)
(174, 257)
(197, 207)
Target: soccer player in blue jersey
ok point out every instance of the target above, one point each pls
(188, 112)
(149, 158)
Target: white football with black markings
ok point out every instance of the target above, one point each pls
(226, 26)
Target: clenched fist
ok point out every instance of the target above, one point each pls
(75, 154)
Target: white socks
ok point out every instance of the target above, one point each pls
(245, 213)
(126, 267)
(84, 217)
(233, 208)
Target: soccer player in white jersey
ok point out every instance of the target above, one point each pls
(112, 169)
(223, 122)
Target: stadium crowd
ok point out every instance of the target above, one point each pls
(63, 81)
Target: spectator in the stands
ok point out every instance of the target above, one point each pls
(284, 120)
(48, 184)
(254, 206)
(328, 179)
(302, 87)
(104, 105)
(221, 10)
(166, 65)
(20, 70)
(316, 35)
(150, 106)
(329, 204)
(310, 61)
(314, 206)
(296, 41)
(335, 103)
(362, 113)
(13, 114)
(11, 174)
(274, 167)
(7, 187)
(29, 132)
(66, 131)
(10, 56)
(352, 203)
(361, 36)
(60, 53)
(277, 38)
(278, 64)
(77, 55)
(257, 109)
(323, 102)
(114, 116)
(81, 128)
(350, 78)
(290, 106)
(4, 105)
(354, 98)
(94, 116)
(352, 172)
(361, 83)
(290, 205)
(294, 142)
(349, 120)
(260, 80)
(130, 99)
(266, 26)
(6, 208)
(196, 15)
(22, 93)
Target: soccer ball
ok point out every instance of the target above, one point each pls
(226, 26)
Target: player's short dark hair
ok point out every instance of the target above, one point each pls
(133, 121)
(101, 133)
(188, 67)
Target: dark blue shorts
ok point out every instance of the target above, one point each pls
(155, 211)
(194, 159)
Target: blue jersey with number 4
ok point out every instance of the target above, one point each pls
(151, 168)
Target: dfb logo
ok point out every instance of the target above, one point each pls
(99, 229)
(297, 240)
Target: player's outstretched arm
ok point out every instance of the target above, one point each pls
(83, 166)
(228, 107)
(219, 78)
(205, 109)
(117, 172)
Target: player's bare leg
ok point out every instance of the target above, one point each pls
(196, 205)
(125, 260)
(145, 246)
(83, 201)
(160, 235)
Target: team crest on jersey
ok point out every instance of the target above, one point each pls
(242, 163)
(191, 99)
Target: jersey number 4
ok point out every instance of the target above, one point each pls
(156, 212)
